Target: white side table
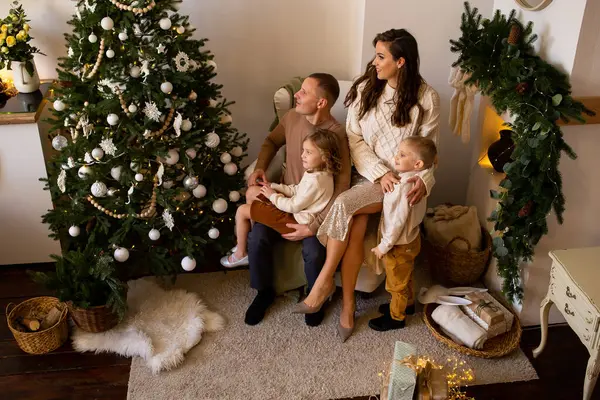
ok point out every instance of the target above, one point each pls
(575, 289)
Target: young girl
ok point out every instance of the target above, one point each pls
(279, 205)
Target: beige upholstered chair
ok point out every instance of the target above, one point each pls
(289, 265)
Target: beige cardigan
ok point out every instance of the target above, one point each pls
(374, 140)
(306, 199)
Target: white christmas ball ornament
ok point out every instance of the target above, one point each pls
(191, 153)
(237, 151)
(115, 172)
(139, 177)
(212, 64)
(74, 231)
(213, 233)
(186, 125)
(165, 23)
(112, 192)
(199, 192)
(168, 184)
(59, 142)
(107, 23)
(132, 108)
(134, 166)
(212, 140)
(123, 36)
(220, 206)
(121, 254)
(59, 105)
(226, 119)
(135, 71)
(230, 169)
(112, 119)
(98, 153)
(84, 171)
(166, 87)
(225, 158)
(181, 30)
(154, 234)
(190, 182)
(99, 189)
(93, 38)
(213, 103)
(234, 196)
(188, 263)
(172, 157)
(110, 53)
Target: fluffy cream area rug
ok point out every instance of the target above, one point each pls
(161, 326)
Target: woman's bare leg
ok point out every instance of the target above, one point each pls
(352, 261)
(335, 251)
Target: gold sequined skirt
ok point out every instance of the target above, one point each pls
(362, 193)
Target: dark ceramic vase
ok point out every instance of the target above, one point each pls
(500, 151)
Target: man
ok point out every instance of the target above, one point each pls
(314, 100)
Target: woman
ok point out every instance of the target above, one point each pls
(389, 102)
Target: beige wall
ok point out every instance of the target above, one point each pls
(258, 45)
(432, 30)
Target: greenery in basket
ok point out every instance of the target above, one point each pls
(86, 278)
(14, 39)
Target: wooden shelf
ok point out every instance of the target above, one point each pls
(593, 103)
(25, 108)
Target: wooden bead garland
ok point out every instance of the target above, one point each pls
(123, 104)
(135, 10)
(165, 125)
(98, 60)
(148, 212)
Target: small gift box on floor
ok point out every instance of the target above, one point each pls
(488, 313)
(413, 377)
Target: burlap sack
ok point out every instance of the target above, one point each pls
(445, 222)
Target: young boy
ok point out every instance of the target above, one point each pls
(400, 240)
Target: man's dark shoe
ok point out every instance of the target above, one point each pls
(315, 319)
(258, 308)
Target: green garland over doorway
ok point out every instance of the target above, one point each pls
(499, 55)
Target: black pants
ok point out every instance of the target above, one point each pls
(260, 256)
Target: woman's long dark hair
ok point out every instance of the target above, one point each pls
(400, 44)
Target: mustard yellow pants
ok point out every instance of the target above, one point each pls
(399, 265)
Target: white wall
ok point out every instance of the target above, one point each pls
(432, 30)
(570, 40)
(258, 46)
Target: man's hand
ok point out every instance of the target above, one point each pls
(378, 253)
(267, 191)
(387, 182)
(417, 192)
(257, 175)
(301, 232)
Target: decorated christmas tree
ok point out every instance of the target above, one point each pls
(147, 163)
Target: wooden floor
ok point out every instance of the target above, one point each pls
(65, 374)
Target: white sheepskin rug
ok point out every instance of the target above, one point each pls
(161, 326)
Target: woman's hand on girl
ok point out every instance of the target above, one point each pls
(267, 191)
(387, 182)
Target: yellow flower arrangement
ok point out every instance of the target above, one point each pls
(15, 38)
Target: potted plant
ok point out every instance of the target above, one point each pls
(15, 51)
(87, 281)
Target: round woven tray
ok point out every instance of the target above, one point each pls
(495, 347)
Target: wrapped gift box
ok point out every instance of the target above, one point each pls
(403, 379)
(486, 309)
(432, 384)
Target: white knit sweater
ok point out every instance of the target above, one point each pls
(400, 222)
(374, 140)
(306, 199)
